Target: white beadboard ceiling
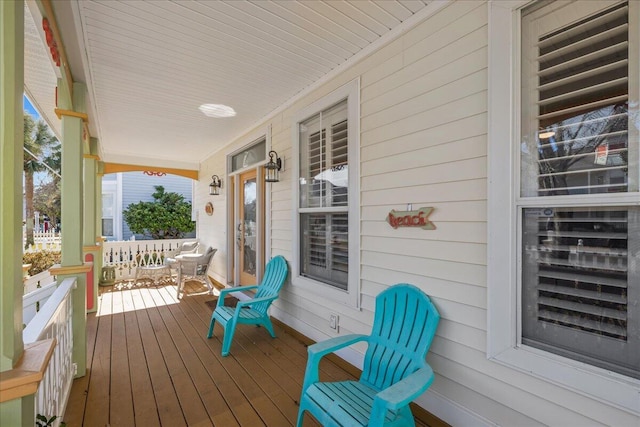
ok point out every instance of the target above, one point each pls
(149, 65)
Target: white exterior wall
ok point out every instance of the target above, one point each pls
(211, 229)
(424, 142)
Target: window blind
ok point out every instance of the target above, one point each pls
(581, 97)
(580, 284)
(326, 247)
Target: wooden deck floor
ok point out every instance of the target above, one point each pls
(149, 363)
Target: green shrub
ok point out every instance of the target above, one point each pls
(41, 260)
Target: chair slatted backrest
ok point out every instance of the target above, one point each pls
(274, 277)
(404, 325)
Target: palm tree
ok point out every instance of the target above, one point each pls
(37, 138)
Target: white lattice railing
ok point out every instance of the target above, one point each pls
(55, 320)
(125, 256)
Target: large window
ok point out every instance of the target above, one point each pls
(326, 205)
(569, 295)
(324, 198)
(580, 275)
(108, 205)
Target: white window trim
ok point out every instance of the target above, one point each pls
(350, 297)
(503, 231)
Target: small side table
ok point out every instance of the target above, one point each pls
(153, 272)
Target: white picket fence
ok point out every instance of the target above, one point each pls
(126, 256)
(54, 320)
(44, 241)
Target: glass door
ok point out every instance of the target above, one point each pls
(249, 225)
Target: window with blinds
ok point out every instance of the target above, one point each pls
(580, 284)
(580, 263)
(576, 87)
(325, 248)
(324, 198)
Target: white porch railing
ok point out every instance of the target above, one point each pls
(35, 300)
(37, 281)
(55, 320)
(126, 256)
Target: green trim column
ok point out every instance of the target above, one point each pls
(16, 412)
(99, 261)
(72, 192)
(90, 246)
(11, 146)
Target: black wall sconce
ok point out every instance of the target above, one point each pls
(215, 186)
(273, 167)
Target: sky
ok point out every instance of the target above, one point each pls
(29, 108)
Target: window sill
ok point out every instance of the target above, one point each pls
(605, 386)
(346, 298)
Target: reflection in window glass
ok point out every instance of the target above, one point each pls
(576, 104)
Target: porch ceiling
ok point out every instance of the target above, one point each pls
(150, 65)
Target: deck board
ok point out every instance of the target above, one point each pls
(78, 397)
(150, 364)
(144, 403)
(121, 407)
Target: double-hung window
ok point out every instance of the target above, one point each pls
(572, 286)
(108, 205)
(326, 202)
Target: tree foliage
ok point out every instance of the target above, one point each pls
(38, 141)
(46, 200)
(167, 217)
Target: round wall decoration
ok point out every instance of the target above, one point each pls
(208, 208)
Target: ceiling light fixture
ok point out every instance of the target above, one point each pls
(217, 110)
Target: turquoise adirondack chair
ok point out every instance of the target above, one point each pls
(395, 371)
(254, 311)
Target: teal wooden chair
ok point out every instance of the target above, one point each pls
(395, 371)
(254, 311)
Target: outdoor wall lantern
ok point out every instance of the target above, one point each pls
(273, 167)
(215, 186)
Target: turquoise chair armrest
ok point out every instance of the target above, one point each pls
(224, 292)
(255, 301)
(319, 350)
(403, 392)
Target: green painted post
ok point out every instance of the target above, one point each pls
(11, 145)
(17, 412)
(98, 189)
(72, 214)
(89, 222)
